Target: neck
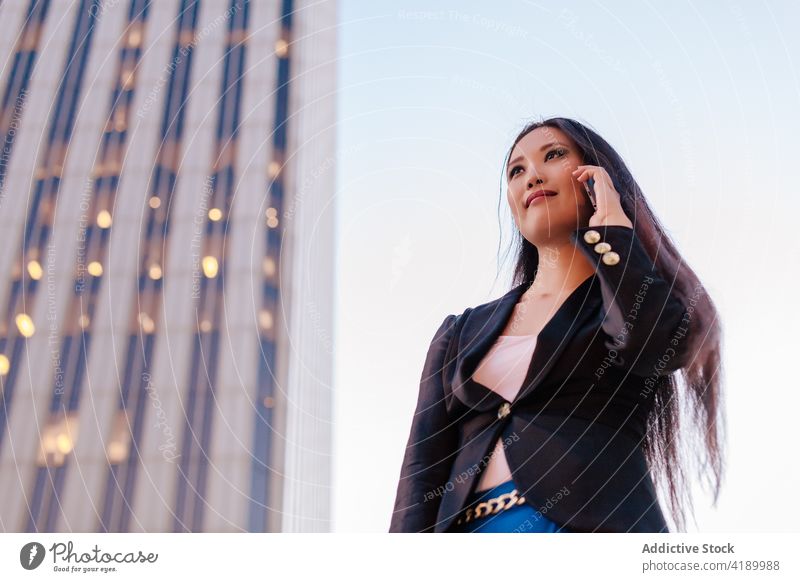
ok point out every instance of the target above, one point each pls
(562, 268)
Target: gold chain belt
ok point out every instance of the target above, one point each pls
(491, 506)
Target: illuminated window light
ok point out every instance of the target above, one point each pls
(25, 324)
(35, 270)
(120, 123)
(49, 441)
(83, 321)
(58, 439)
(155, 272)
(210, 266)
(205, 326)
(119, 445)
(265, 319)
(148, 326)
(281, 47)
(64, 443)
(274, 169)
(5, 365)
(272, 222)
(95, 269)
(154, 202)
(47, 211)
(268, 265)
(215, 214)
(135, 37)
(104, 219)
(128, 79)
(117, 452)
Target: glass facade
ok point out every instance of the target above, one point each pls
(171, 365)
(265, 399)
(199, 419)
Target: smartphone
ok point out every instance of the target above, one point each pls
(590, 192)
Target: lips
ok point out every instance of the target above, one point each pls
(538, 194)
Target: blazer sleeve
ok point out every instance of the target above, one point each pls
(431, 447)
(646, 322)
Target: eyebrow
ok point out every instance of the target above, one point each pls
(544, 147)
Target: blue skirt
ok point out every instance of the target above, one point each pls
(522, 518)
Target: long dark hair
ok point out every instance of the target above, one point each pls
(699, 397)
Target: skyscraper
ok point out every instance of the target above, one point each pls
(166, 187)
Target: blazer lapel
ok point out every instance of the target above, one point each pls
(485, 324)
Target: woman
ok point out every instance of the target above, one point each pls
(548, 409)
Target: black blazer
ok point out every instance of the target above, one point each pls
(573, 435)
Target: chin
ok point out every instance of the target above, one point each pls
(544, 231)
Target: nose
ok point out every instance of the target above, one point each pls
(534, 179)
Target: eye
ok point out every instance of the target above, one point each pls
(512, 173)
(560, 151)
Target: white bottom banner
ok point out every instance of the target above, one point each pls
(407, 557)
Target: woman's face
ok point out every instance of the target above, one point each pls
(544, 160)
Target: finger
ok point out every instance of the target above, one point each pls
(583, 174)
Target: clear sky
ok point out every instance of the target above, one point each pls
(700, 99)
